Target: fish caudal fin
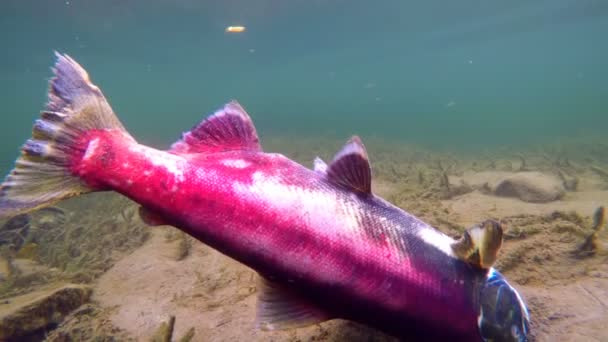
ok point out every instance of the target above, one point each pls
(42, 173)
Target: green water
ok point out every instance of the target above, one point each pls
(455, 74)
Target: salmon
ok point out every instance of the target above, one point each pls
(325, 246)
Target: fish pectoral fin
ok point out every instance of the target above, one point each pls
(228, 129)
(350, 167)
(480, 244)
(151, 218)
(280, 308)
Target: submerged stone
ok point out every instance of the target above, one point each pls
(33, 313)
(533, 187)
(14, 232)
(16, 222)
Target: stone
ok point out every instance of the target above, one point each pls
(31, 313)
(532, 186)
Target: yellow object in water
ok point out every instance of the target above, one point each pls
(235, 29)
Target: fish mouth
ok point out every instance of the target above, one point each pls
(503, 315)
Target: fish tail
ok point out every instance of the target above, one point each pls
(42, 174)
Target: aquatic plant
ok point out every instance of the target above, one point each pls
(74, 247)
(88, 323)
(591, 244)
(164, 333)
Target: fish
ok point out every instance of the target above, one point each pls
(324, 245)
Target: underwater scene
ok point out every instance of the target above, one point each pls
(303, 170)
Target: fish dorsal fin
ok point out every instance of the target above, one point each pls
(479, 245)
(228, 129)
(280, 308)
(320, 166)
(350, 167)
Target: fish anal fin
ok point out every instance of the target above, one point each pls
(480, 244)
(151, 218)
(280, 308)
(228, 129)
(350, 167)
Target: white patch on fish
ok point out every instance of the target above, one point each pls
(91, 147)
(173, 163)
(236, 163)
(320, 207)
(437, 239)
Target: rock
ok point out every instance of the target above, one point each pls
(14, 232)
(457, 186)
(528, 186)
(34, 312)
(16, 222)
(485, 181)
(531, 186)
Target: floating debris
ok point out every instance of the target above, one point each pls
(235, 29)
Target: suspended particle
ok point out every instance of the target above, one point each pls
(235, 29)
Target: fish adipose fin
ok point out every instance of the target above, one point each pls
(480, 244)
(228, 129)
(41, 175)
(350, 167)
(279, 308)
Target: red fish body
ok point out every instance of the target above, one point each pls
(326, 246)
(289, 222)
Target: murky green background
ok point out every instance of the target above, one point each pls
(448, 74)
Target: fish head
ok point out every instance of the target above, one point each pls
(503, 315)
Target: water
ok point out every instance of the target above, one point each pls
(466, 74)
(445, 77)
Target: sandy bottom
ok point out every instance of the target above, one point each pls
(207, 291)
(174, 275)
(567, 296)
